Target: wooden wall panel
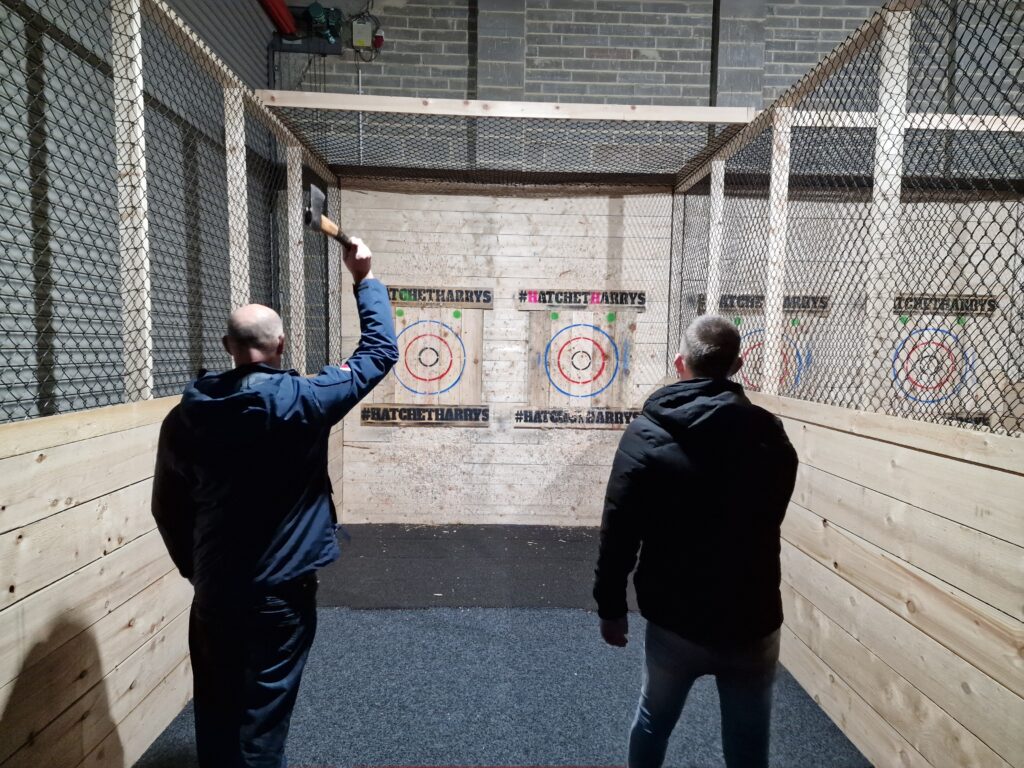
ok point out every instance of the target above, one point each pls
(903, 573)
(618, 239)
(93, 615)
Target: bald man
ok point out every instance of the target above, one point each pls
(242, 498)
(699, 486)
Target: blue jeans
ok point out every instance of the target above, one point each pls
(247, 665)
(744, 676)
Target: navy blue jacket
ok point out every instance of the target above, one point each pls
(699, 485)
(241, 493)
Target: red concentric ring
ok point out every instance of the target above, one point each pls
(596, 376)
(451, 357)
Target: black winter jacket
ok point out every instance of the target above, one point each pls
(700, 485)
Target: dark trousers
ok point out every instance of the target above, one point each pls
(247, 663)
(745, 677)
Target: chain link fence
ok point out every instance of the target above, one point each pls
(146, 195)
(864, 232)
(870, 239)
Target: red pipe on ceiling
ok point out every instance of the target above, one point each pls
(280, 15)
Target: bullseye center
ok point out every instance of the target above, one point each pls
(581, 360)
(429, 357)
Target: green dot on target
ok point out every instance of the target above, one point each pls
(554, 315)
(457, 314)
(400, 312)
(961, 320)
(738, 320)
(611, 317)
(795, 322)
(904, 319)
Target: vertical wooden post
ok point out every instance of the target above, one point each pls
(334, 267)
(778, 224)
(296, 262)
(716, 237)
(894, 77)
(133, 231)
(238, 195)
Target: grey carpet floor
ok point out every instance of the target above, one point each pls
(498, 687)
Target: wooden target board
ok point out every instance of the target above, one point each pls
(438, 378)
(579, 356)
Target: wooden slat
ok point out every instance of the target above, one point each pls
(984, 567)
(409, 105)
(147, 721)
(51, 684)
(997, 451)
(869, 732)
(943, 741)
(987, 638)
(59, 611)
(39, 554)
(50, 431)
(979, 497)
(986, 708)
(48, 481)
(94, 717)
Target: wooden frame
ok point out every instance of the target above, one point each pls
(132, 198)
(295, 262)
(238, 195)
(508, 109)
(778, 230)
(893, 87)
(716, 236)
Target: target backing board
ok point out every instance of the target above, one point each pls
(438, 378)
(579, 356)
(938, 354)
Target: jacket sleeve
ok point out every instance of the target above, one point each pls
(338, 388)
(778, 486)
(172, 504)
(621, 525)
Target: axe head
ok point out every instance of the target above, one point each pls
(315, 209)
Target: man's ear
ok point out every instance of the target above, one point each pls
(680, 365)
(736, 366)
(280, 345)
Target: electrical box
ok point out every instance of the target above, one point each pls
(362, 35)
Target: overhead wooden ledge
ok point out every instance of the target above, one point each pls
(998, 451)
(409, 105)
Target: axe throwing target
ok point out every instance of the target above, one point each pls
(433, 358)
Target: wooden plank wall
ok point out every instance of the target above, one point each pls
(508, 241)
(93, 616)
(903, 584)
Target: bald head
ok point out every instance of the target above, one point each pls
(255, 335)
(711, 347)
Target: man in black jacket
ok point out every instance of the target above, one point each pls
(699, 485)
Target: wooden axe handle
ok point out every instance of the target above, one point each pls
(332, 229)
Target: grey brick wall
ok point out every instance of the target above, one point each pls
(603, 51)
(798, 34)
(428, 53)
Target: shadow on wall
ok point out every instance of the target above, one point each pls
(33, 734)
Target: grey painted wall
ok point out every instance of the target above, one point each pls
(238, 30)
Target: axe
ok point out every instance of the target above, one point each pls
(317, 219)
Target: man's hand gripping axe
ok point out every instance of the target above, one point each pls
(317, 219)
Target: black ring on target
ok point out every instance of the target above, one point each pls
(604, 360)
(949, 350)
(451, 362)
